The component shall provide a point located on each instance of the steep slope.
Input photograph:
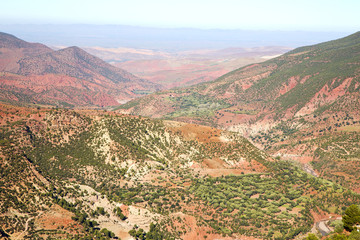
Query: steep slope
(97, 171)
(67, 77)
(301, 106)
(298, 82)
(73, 62)
(327, 140)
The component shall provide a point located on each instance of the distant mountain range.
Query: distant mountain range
(33, 72)
(164, 39)
(72, 77)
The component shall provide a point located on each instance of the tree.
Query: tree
(119, 213)
(339, 237)
(355, 235)
(311, 236)
(132, 232)
(351, 217)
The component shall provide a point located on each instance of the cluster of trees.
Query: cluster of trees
(351, 218)
(119, 213)
(256, 199)
(98, 211)
(154, 233)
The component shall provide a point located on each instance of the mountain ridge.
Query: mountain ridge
(74, 62)
(70, 77)
(11, 41)
(13, 49)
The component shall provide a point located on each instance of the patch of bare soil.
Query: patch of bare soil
(216, 168)
(202, 134)
(57, 218)
(214, 163)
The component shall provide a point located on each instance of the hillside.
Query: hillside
(296, 83)
(13, 49)
(33, 73)
(67, 174)
(299, 106)
(73, 62)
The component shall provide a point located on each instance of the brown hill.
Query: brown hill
(67, 77)
(73, 62)
(12, 49)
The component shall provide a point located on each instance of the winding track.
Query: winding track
(20, 236)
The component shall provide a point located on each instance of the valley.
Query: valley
(103, 146)
(183, 68)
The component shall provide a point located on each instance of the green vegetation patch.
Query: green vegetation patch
(196, 105)
(277, 203)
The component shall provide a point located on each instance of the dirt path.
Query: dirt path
(308, 168)
(21, 235)
(341, 147)
(323, 228)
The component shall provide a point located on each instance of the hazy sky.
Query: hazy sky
(326, 15)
